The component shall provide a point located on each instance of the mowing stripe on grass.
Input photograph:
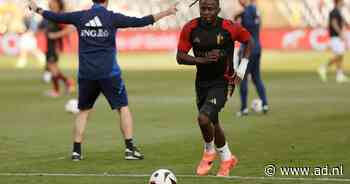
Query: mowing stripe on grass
(180, 176)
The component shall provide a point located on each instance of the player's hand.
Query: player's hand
(233, 80)
(53, 35)
(32, 5)
(214, 54)
(236, 80)
(172, 9)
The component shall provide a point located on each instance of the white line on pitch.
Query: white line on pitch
(180, 176)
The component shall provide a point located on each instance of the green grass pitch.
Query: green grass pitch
(309, 125)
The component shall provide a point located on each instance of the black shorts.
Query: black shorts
(211, 98)
(52, 57)
(112, 88)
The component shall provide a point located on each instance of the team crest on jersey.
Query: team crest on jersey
(219, 39)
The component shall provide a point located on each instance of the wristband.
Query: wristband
(242, 68)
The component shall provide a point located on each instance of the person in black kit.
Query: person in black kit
(337, 43)
(212, 39)
(54, 33)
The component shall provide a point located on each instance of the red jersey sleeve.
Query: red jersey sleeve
(237, 32)
(185, 44)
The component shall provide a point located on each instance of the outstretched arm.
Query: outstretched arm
(171, 11)
(65, 31)
(64, 18)
(122, 21)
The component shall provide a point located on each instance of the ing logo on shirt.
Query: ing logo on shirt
(92, 31)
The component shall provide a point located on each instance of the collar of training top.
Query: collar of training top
(205, 25)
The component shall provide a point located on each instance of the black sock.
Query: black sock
(129, 143)
(77, 147)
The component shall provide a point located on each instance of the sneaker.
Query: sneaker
(245, 112)
(265, 109)
(76, 157)
(206, 163)
(53, 94)
(227, 166)
(341, 78)
(133, 154)
(322, 71)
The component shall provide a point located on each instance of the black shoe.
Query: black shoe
(133, 154)
(76, 157)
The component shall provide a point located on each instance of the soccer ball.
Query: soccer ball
(162, 176)
(72, 106)
(257, 105)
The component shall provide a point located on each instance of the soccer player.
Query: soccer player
(28, 44)
(212, 40)
(250, 19)
(54, 33)
(98, 69)
(337, 43)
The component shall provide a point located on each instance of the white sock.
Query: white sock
(340, 73)
(324, 66)
(209, 147)
(225, 153)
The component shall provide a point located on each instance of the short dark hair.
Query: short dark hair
(98, 1)
(61, 5)
(196, 1)
(337, 1)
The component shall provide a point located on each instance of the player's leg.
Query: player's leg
(22, 59)
(115, 92)
(228, 160)
(79, 129)
(40, 56)
(340, 76)
(52, 60)
(243, 91)
(338, 49)
(126, 127)
(258, 82)
(207, 130)
(47, 76)
(88, 93)
(69, 83)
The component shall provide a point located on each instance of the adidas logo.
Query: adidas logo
(94, 29)
(95, 22)
(196, 40)
(213, 101)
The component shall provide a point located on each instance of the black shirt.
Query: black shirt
(204, 38)
(335, 14)
(51, 27)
